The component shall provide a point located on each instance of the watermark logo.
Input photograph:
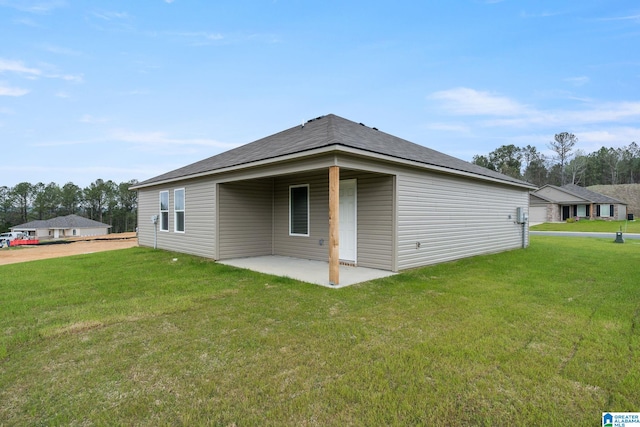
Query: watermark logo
(607, 420)
(620, 419)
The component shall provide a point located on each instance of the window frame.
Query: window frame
(163, 212)
(605, 208)
(291, 208)
(176, 210)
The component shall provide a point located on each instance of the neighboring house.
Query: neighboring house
(63, 226)
(401, 205)
(555, 204)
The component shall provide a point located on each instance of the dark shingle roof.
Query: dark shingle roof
(589, 195)
(62, 222)
(326, 131)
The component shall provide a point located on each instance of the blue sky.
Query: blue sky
(126, 90)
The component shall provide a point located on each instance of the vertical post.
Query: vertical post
(334, 224)
(592, 214)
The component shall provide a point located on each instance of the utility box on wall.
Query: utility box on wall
(521, 215)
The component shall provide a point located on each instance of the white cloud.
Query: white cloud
(614, 136)
(465, 101)
(545, 14)
(160, 138)
(26, 21)
(34, 6)
(110, 16)
(577, 81)
(510, 113)
(449, 127)
(88, 118)
(622, 18)
(198, 36)
(12, 91)
(67, 77)
(18, 67)
(61, 50)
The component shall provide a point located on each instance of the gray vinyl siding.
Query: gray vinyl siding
(450, 217)
(245, 225)
(199, 236)
(307, 247)
(453, 218)
(375, 219)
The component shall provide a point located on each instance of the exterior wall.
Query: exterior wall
(316, 245)
(538, 214)
(374, 218)
(43, 234)
(199, 236)
(97, 231)
(442, 218)
(245, 211)
(450, 217)
(620, 212)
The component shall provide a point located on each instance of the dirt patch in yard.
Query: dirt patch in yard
(73, 246)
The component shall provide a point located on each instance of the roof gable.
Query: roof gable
(328, 131)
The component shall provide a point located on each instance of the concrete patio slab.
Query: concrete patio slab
(316, 272)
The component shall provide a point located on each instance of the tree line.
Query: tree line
(606, 166)
(103, 201)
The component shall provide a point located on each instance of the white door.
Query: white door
(348, 223)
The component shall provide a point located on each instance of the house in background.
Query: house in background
(555, 204)
(338, 191)
(63, 226)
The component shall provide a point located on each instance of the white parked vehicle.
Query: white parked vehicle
(7, 238)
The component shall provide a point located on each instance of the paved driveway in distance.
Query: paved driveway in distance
(584, 234)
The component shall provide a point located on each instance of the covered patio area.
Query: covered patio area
(306, 270)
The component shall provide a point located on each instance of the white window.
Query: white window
(299, 210)
(582, 210)
(605, 210)
(164, 211)
(178, 209)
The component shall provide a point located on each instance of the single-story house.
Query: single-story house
(338, 191)
(63, 226)
(551, 203)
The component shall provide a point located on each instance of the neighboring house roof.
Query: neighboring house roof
(592, 196)
(583, 193)
(62, 222)
(329, 132)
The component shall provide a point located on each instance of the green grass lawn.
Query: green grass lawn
(590, 226)
(549, 335)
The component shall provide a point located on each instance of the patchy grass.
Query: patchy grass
(586, 225)
(547, 335)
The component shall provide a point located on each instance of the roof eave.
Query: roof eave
(336, 148)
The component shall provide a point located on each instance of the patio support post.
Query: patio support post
(334, 223)
(591, 212)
